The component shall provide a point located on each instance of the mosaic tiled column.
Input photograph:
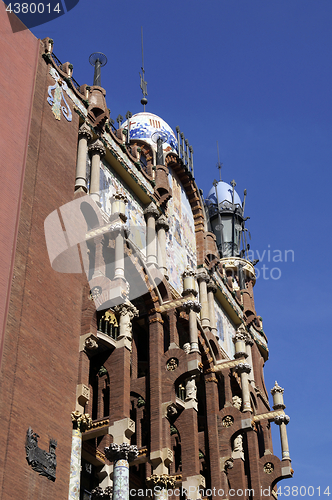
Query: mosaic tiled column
(121, 455)
(97, 150)
(81, 423)
(151, 213)
(160, 484)
(84, 134)
(244, 369)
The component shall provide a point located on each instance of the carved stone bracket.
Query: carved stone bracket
(41, 461)
(124, 451)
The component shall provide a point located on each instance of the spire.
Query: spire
(144, 84)
(219, 165)
(97, 59)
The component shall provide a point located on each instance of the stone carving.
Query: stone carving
(188, 272)
(276, 389)
(192, 304)
(228, 421)
(100, 494)
(172, 364)
(85, 131)
(98, 148)
(81, 421)
(124, 451)
(41, 461)
(127, 312)
(281, 419)
(140, 402)
(90, 343)
(212, 287)
(229, 464)
(186, 347)
(202, 275)
(163, 481)
(162, 223)
(268, 468)
(238, 443)
(191, 389)
(243, 367)
(172, 410)
(237, 402)
(151, 210)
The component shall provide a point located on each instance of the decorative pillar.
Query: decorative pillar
(84, 135)
(97, 151)
(127, 312)
(118, 203)
(81, 423)
(203, 278)
(192, 307)
(162, 226)
(244, 369)
(121, 455)
(151, 213)
(240, 342)
(249, 343)
(281, 420)
(160, 484)
(118, 230)
(211, 290)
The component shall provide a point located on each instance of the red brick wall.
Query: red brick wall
(41, 343)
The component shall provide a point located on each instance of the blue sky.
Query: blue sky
(256, 77)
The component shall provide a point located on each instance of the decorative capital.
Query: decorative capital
(120, 196)
(85, 131)
(192, 305)
(127, 308)
(151, 210)
(243, 367)
(124, 451)
(202, 275)
(162, 223)
(97, 147)
(282, 419)
(212, 287)
(164, 481)
(277, 389)
(81, 421)
(188, 272)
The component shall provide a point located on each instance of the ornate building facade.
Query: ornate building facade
(133, 355)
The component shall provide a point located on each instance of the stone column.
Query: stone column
(203, 278)
(81, 422)
(118, 231)
(151, 213)
(282, 421)
(192, 307)
(244, 369)
(240, 342)
(160, 484)
(97, 151)
(84, 135)
(211, 290)
(249, 343)
(121, 455)
(127, 312)
(162, 226)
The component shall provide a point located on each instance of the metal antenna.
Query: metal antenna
(97, 59)
(144, 84)
(219, 165)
